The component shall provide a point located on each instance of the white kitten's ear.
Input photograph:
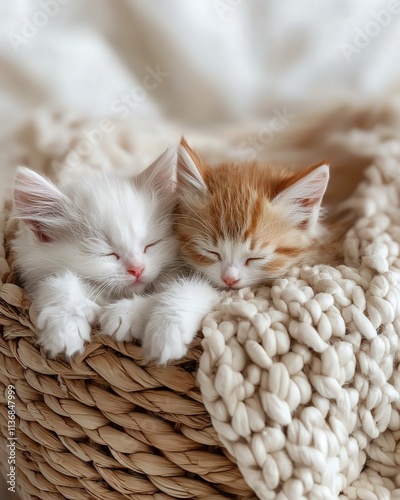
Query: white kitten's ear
(190, 168)
(38, 202)
(161, 174)
(301, 200)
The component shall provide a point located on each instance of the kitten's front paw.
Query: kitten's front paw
(122, 320)
(64, 330)
(165, 341)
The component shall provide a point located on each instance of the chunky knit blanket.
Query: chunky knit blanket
(301, 378)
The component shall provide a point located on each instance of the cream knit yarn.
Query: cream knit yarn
(302, 378)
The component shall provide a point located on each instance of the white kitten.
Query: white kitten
(95, 239)
(167, 320)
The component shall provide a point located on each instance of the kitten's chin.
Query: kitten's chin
(138, 286)
(227, 288)
(232, 288)
(131, 289)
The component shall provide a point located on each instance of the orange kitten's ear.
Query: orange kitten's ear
(190, 168)
(302, 198)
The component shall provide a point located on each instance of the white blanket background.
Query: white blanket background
(241, 78)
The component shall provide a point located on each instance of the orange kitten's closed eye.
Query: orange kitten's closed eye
(242, 224)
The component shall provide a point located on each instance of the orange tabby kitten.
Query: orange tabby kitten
(242, 224)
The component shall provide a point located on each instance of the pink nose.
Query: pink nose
(229, 281)
(136, 271)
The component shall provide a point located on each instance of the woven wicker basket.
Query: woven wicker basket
(106, 426)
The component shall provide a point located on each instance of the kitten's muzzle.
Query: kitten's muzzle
(136, 271)
(230, 281)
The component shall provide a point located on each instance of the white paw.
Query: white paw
(165, 341)
(65, 329)
(122, 320)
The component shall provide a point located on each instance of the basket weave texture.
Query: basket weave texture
(107, 425)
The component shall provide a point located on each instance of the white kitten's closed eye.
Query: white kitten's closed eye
(151, 245)
(115, 255)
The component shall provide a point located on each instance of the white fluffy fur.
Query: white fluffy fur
(67, 237)
(64, 313)
(166, 321)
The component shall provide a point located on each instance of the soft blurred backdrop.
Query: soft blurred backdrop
(109, 84)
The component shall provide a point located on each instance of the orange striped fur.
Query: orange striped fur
(230, 226)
